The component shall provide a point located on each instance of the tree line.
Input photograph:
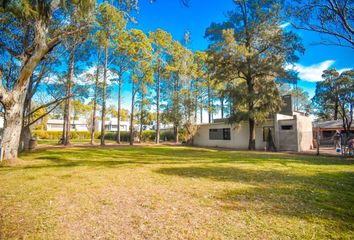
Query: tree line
(48, 46)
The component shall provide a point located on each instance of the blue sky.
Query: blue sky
(171, 16)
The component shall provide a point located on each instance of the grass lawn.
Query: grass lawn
(175, 193)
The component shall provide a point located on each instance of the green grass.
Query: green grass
(175, 193)
(54, 142)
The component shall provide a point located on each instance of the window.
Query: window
(220, 134)
(287, 127)
(226, 134)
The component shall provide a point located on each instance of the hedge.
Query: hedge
(148, 135)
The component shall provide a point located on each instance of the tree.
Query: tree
(177, 88)
(326, 104)
(140, 53)
(38, 32)
(334, 97)
(122, 61)
(249, 52)
(334, 19)
(111, 22)
(162, 42)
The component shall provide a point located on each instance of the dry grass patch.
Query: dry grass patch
(175, 193)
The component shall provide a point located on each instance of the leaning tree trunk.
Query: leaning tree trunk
(12, 128)
(104, 97)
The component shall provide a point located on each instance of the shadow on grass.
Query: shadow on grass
(325, 196)
(147, 155)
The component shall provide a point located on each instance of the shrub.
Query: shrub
(41, 134)
(148, 136)
(124, 136)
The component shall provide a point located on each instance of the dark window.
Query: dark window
(226, 133)
(287, 127)
(219, 134)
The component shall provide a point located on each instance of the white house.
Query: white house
(83, 125)
(76, 125)
(290, 131)
(111, 125)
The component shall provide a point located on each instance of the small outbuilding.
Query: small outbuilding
(286, 131)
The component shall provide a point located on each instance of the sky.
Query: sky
(172, 16)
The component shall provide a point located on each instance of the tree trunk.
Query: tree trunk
(201, 111)
(104, 97)
(222, 107)
(252, 134)
(119, 106)
(336, 107)
(67, 109)
(26, 131)
(95, 101)
(26, 136)
(131, 132)
(141, 117)
(209, 104)
(175, 132)
(12, 129)
(158, 107)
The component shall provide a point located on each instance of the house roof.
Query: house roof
(334, 124)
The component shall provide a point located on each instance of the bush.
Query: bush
(41, 134)
(148, 136)
(124, 136)
(167, 136)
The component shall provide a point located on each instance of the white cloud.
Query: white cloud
(285, 25)
(313, 73)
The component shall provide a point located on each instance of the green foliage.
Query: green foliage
(248, 54)
(124, 136)
(42, 134)
(334, 97)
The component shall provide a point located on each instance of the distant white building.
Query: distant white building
(76, 125)
(83, 125)
(111, 125)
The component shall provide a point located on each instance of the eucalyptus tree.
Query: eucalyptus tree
(111, 23)
(33, 29)
(250, 51)
(162, 42)
(121, 59)
(178, 86)
(140, 52)
(334, 97)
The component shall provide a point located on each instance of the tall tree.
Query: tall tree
(334, 97)
(325, 102)
(334, 19)
(111, 22)
(162, 42)
(142, 72)
(122, 61)
(177, 89)
(249, 51)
